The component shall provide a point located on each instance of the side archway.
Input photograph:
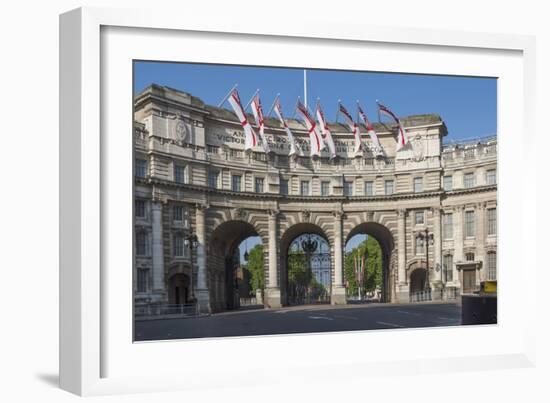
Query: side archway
(224, 261)
(386, 241)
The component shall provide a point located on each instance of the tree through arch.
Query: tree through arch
(384, 239)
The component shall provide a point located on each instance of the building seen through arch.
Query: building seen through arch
(432, 208)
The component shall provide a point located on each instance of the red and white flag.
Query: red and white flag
(377, 147)
(250, 137)
(402, 138)
(315, 141)
(294, 148)
(327, 136)
(259, 117)
(353, 127)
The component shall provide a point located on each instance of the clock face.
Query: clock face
(181, 131)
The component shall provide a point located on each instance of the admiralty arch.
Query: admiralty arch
(194, 181)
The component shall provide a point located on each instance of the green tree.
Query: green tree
(255, 266)
(298, 272)
(373, 273)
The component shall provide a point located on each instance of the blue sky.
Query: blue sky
(466, 104)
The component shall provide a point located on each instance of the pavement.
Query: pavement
(302, 319)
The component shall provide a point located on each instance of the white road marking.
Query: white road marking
(389, 324)
(444, 318)
(409, 313)
(319, 317)
(345, 317)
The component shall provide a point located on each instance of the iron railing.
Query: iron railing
(421, 296)
(166, 309)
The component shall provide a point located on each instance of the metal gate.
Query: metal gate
(309, 270)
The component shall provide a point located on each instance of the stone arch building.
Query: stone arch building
(192, 176)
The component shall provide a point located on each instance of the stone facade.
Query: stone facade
(192, 176)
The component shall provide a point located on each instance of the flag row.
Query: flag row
(320, 136)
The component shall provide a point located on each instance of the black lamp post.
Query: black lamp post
(428, 239)
(191, 242)
(309, 246)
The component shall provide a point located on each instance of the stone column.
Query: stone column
(480, 241)
(203, 295)
(458, 242)
(402, 294)
(273, 297)
(437, 244)
(159, 286)
(338, 296)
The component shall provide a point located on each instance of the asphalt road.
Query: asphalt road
(304, 319)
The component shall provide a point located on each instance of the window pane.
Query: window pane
(178, 213)
(448, 267)
(141, 168)
(491, 177)
(448, 183)
(140, 208)
(419, 217)
(259, 185)
(420, 245)
(213, 179)
(179, 174)
(369, 189)
(470, 223)
(178, 245)
(236, 183)
(142, 275)
(417, 185)
(469, 180)
(348, 188)
(141, 243)
(492, 221)
(304, 188)
(284, 187)
(448, 226)
(388, 187)
(325, 188)
(491, 266)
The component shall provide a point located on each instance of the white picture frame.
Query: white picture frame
(96, 355)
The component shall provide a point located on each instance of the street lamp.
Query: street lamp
(191, 242)
(428, 238)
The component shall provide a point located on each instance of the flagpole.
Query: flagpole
(227, 96)
(305, 88)
(251, 99)
(338, 111)
(273, 104)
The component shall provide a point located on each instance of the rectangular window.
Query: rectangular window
(142, 276)
(283, 187)
(141, 168)
(491, 266)
(418, 185)
(178, 213)
(140, 208)
(469, 218)
(469, 180)
(236, 183)
(448, 226)
(304, 188)
(141, 244)
(448, 268)
(418, 217)
(448, 183)
(470, 257)
(178, 245)
(491, 177)
(388, 187)
(325, 188)
(348, 188)
(491, 221)
(259, 185)
(369, 190)
(213, 177)
(420, 245)
(179, 174)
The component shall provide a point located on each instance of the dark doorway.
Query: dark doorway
(418, 280)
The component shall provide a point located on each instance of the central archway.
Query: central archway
(385, 239)
(224, 263)
(306, 265)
